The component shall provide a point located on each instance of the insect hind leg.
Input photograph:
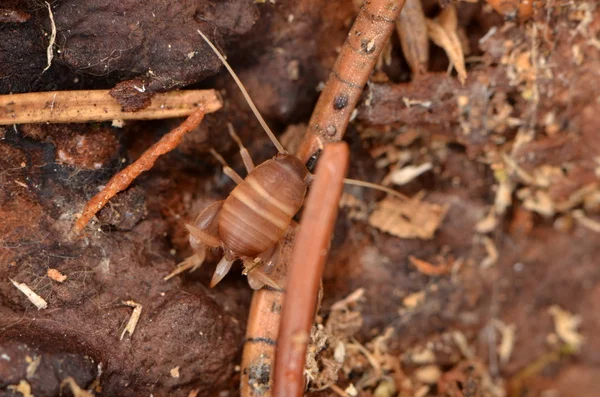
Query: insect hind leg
(204, 230)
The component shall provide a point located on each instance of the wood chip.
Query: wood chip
(408, 173)
(23, 387)
(565, 326)
(56, 275)
(507, 343)
(133, 320)
(487, 224)
(443, 32)
(492, 253)
(585, 221)
(414, 300)
(463, 345)
(174, 372)
(408, 219)
(32, 367)
(428, 374)
(34, 298)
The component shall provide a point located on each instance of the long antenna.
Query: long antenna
(376, 187)
(245, 94)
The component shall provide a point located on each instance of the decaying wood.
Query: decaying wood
(366, 39)
(306, 269)
(98, 105)
(124, 178)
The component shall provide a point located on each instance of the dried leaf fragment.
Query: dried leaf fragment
(133, 320)
(428, 268)
(408, 219)
(565, 325)
(56, 275)
(34, 298)
(443, 32)
(412, 31)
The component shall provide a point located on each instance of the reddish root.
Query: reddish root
(124, 178)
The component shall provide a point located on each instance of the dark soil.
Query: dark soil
(531, 93)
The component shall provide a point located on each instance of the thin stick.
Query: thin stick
(124, 178)
(306, 269)
(98, 105)
(262, 121)
(371, 30)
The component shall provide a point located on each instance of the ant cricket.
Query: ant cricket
(250, 224)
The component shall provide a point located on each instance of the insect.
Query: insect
(250, 223)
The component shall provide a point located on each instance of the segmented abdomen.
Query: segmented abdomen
(259, 210)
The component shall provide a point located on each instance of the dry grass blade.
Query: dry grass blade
(443, 32)
(98, 105)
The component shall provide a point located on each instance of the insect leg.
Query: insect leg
(248, 163)
(227, 170)
(222, 269)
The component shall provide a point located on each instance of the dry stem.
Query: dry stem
(98, 105)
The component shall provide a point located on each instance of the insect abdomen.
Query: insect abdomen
(259, 210)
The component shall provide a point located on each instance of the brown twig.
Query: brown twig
(371, 30)
(306, 269)
(124, 178)
(98, 105)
